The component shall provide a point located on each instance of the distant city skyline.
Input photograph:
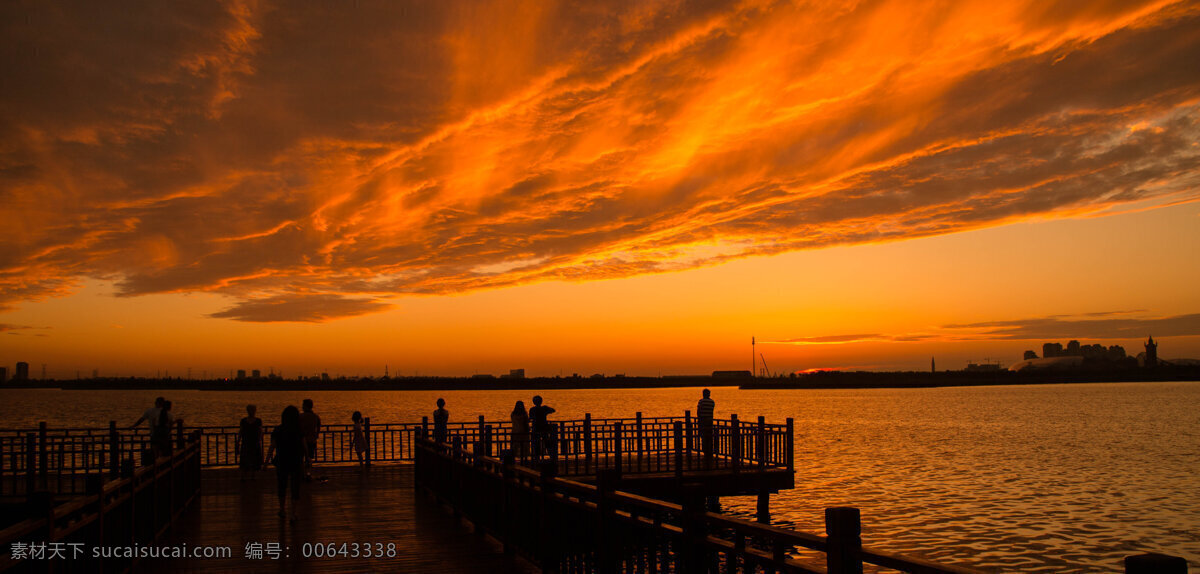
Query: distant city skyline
(454, 187)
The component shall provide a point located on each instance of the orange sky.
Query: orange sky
(635, 187)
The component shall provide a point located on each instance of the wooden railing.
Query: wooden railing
(61, 459)
(137, 508)
(569, 526)
(640, 445)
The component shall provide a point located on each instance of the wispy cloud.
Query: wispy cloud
(307, 308)
(308, 161)
(1090, 326)
(10, 329)
(845, 339)
(1087, 327)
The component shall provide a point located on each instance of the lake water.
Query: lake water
(1048, 478)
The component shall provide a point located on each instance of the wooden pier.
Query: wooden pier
(614, 495)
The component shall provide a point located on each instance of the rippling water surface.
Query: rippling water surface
(1049, 478)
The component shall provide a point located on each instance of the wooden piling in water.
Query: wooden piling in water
(843, 530)
(1155, 564)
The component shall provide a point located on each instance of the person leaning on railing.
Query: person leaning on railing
(704, 419)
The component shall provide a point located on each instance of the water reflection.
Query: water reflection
(1032, 479)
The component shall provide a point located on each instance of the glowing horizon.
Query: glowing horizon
(479, 186)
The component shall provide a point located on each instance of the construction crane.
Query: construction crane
(766, 372)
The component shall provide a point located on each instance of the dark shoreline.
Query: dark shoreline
(824, 380)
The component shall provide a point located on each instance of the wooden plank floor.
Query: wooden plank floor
(648, 463)
(376, 506)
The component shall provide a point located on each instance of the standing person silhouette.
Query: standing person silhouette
(160, 433)
(249, 446)
(520, 431)
(440, 417)
(704, 419)
(150, 415)
(539, 425)
(288, 453)
(359, 439)
(310, 426)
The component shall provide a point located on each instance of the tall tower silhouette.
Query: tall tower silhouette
(1151, 353)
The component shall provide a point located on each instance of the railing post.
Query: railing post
(678, 449)
(843, 529)
(606, 556)
(761, 446)
(694, 530)
(39, 505)
(687, 425)
(479, 433)
(367, 439)
(641, 447)
(789, 446)
(617, 445)
(114, 448)
(1155, 564)
(179, 433)
(30, 462)
(587, 435)
(95, 487)
(43, 453)
(425, 426)
(507, 515)
(487, 440)
(547, 525)
(735, 442)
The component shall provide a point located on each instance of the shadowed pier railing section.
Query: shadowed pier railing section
(135, 506)
(567, 525)
(644, 445)
(61, 459)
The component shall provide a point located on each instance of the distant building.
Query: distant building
(1151, 360)
(256, 374)
(516, 373)
(984, 368)
(241, 374)
(1030, 355)
(1073, 349)
(3, 375)
(732, 375)
(22, 373)
(1051, 350)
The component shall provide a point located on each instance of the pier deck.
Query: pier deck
(375, 506)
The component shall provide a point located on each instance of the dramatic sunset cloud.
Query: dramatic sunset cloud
(317, 160)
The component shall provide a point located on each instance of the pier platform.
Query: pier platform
(376, 506)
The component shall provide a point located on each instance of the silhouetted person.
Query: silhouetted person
(704, 419)
(150, 415)
(160, 433)
(440, 418)
(287, 452)
(310, 426)
(250, 442)
(359, 439)
(540, 427)
(520, 430)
